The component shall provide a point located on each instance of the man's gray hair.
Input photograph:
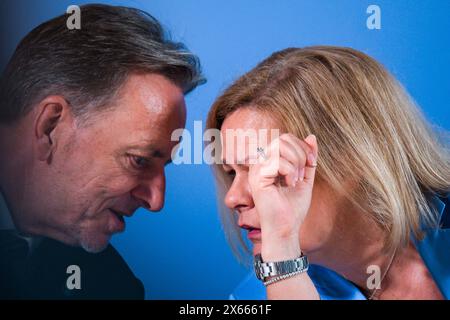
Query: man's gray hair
(88, 66)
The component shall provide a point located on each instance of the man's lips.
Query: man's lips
(121, 213)
(119, 225)
(118, 215)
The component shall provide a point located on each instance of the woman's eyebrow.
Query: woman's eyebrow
(244, 162)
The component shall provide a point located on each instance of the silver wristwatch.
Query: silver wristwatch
(264, 270)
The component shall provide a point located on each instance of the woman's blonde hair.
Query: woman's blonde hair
(368, 129)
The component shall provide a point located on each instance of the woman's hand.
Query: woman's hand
(281, 186)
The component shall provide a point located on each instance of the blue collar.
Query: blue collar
(434, 250)
(443, 210)
(435, 247)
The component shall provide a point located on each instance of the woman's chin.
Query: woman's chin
(256, 249)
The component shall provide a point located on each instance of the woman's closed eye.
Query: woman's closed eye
(230, 173)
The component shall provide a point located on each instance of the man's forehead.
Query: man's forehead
(148, 113)
(153, 94)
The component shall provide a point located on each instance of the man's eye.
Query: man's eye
(140, 162)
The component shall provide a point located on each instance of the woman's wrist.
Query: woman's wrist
(280, 249)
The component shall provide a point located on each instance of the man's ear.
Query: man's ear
(50, 114)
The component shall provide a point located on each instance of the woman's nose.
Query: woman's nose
(239, 194)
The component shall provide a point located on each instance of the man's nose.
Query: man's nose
(150, 193)
(239, 195)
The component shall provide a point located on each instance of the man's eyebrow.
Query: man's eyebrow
(151, 150)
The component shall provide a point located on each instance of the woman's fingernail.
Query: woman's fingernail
(301, 173)
(311, 139)
(311, 159)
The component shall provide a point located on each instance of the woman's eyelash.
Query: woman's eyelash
(231, 173)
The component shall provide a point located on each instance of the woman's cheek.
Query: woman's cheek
(312, 234)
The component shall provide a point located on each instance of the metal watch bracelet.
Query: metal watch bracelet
(283, 277)
(265, 270)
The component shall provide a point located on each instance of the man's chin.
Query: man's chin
(93, 245)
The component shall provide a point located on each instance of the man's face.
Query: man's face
(106, 170)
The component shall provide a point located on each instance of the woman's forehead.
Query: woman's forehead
(249, 118)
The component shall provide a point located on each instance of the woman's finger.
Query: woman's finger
(311, 164)
(288, 171)
(292, 152)
(274, 170)
(303, 149)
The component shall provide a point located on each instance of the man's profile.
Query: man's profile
(85, 125)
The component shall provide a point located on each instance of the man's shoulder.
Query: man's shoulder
(58, 271)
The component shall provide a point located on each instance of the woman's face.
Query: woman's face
(319, 222)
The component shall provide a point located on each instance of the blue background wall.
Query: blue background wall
(181, 253)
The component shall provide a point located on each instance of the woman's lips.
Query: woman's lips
(254, 234)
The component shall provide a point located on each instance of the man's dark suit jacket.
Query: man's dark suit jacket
(43, 273)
